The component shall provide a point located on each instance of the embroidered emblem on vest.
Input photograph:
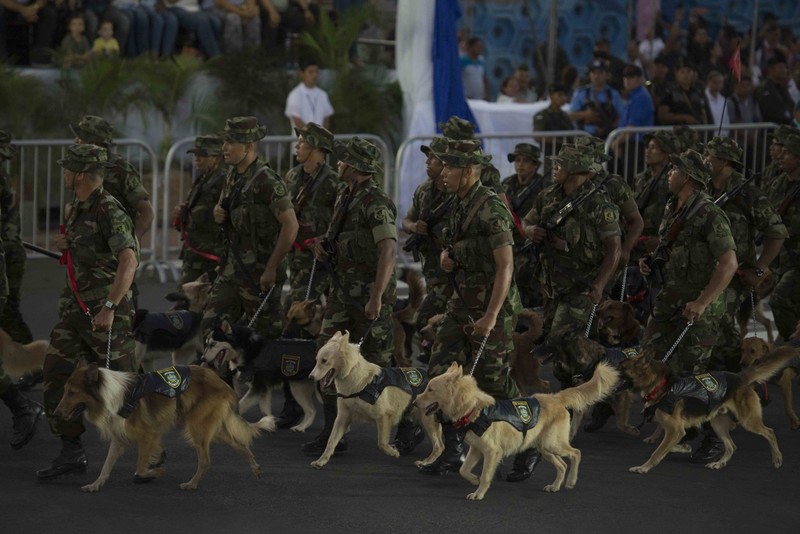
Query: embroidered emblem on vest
(708, 382)
(413, 376)
(630, 352)
(170, 376)
(176, 319)
(290, 365)
(523, 411)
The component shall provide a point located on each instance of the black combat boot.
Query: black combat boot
(408, 436)
(452, 456)
(524, 464)
(29, 380)
(26, 414)
(601, 412)
(292, 413)
(711, 448)
(317, 445)
(71, 460)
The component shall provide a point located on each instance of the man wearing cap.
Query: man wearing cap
(697, 260)
(637, 111)
(596, 107)
(362, 239)
(682, 101)
(521, 189)
(258, 217)
(95, 307)
(552, 119)
(203, 247)
(122, 179)
(773, 169)
(479, 258)
(651, 189)
(784, 194)
(25, 412)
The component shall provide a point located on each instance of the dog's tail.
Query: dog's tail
(768, 366)
(243, 432)
(602, 383)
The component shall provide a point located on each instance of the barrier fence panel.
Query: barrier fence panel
(277, 150)
(38, 180)
(628, 145)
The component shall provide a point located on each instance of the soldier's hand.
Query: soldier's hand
(177, 211)
(484, 325)
(61, 241)
(103, 320)
(595, 294)
(694, 310)
(536, 233)
(421, 227)
(220, 214)
(624, 258)
(750, 279)
(447, 263)
(643, 267)
(372, 309)
(267, 279)
(318, 250)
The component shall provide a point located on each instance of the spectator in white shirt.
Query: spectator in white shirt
(716, 101)
(307, 102)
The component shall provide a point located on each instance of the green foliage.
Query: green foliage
(102, 87)
(25, 104)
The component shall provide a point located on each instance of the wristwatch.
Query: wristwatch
(759, 272)
(110, 305)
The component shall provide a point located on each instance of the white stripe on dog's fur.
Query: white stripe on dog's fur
(114, 386)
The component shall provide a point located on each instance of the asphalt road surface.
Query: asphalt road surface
(364, 491)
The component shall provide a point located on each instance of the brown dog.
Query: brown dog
(403, 319)
(307, 314)
(524, 365)
(619, 320)
(19, 360)
(206, 407)
(681, 403)
(753, 350)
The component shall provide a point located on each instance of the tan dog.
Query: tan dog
(339, 362)
(619, 319)
(308, 315)
(675, 411)
(404, 317)
(207, 409)
(524, 365)
(753, 350)
(460, 399)
(19, 360)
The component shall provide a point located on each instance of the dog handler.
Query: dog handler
(99, 247)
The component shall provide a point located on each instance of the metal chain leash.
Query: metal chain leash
(369, 329)
(753, 308)
(311, 278)
(108, 350)
(478, 356)
(675, 345)
(624, 282)
(591, 320)
(260, 307)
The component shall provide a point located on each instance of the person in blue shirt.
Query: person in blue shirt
(597, 107)
(638, 110)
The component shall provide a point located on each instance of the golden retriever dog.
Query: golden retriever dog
(459, 398)
(362, 396)
(19, 360)
(753, 350)
(200, 400)
(687, 402)
(524, 365)
(619, 320)
(403, 318)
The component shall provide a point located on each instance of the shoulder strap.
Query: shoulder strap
(474, 210)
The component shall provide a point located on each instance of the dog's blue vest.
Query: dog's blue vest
(701, 394)
(172, 329)
(412, 380)
(522, 414)
(170, 382)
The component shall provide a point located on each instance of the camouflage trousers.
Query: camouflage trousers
(455, 343)
(727, 352)
(785, 302)
(525, 274)
(300, 267)
(437, 293)
(10, 316)
(193, 266)
(233, 299)
(563, 311)
(72, 342)
(693, 353)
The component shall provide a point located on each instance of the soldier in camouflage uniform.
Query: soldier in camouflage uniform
(203, 245)
(479, 259)
(94, 309)
(553, 119)
(773, 169)
(750, 213)
(10, 315)
(362, 238)
(521, 189)
(261, 226)
(784, 193)
(430, 196)
(651, 187)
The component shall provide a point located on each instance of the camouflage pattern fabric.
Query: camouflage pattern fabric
(552, 120)
(314, 219)
(490, 177)
(785, 298)
(10, 315)
(124, 184)
(198, 221)
(426, 199)
(653, 211)
(252, 199)
(98, 229)
(705, 237)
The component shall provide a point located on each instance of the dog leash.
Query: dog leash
(369, 329)
(591, 320)
(478, 356)
(624, 281)
(753, 308)
(675, 345)
(311, 278)
(260, 307)
(108, 350)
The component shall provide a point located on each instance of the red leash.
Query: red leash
(66, 259)
(206, 255)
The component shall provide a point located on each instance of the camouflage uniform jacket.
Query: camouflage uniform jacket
(124, 184)
(780, 188)
(490, 177)
(478, 224)
(316, 212)
(749, 213)
(98, 229)
(653, 211)
(198, 216)
(252, 198)
(10, 241)
(552, 120)
(620, 194)
(3, 279)
(572, 268)
(706, 236)
(692, 102)
(526, 194)
(426, 199)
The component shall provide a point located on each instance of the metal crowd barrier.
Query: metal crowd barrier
(42, 197)
(179, 174)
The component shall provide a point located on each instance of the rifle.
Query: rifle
(41, 250)
(306, 192)
(726, 197)
(329, 240)
(644, 197)
(414, 242)
(522, 199)
(660, 255)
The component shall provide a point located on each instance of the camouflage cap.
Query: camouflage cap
(243, 130)
(7, 150)
(595, 144)
(359, 154)
(725, 148)
(93, 129)
(463, 153)
(525, 149)
(86, 157)
(207, 145)
(438, 144)
(316, 136)
(692, 163)
(666, 140)
(792, 143)
(780, 133)
(686, 138)
(457, 128)
(575, 160)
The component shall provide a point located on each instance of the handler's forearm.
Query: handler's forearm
(123, 278)
(144, 219)
(286, 237)
(720, 278)
(634, 228)
(610, 261)
(504, 265)
(772, 247)
(387, 254)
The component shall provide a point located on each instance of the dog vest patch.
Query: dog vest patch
(412, 380)
(167, 331)
(701, 394)
(170, 382)
(282, 358)
(522, 414)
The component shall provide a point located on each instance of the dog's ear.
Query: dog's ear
(345, 338)
(226, 327)
(204, 279)
(92, 374)
(628, 307)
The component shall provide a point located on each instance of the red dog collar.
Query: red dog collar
(650, 397)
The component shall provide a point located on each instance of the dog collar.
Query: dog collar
(655, 391)
(464, 421)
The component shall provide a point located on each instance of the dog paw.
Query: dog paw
(475, 496)
(777, 461)
(257, 471)
(551, 488)
(189, 486)
(299, 428)
(639, 469)
(318, 464)
(795, 425)
(716, 465)
(392, 451)
(630, 430)
(91, 488)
